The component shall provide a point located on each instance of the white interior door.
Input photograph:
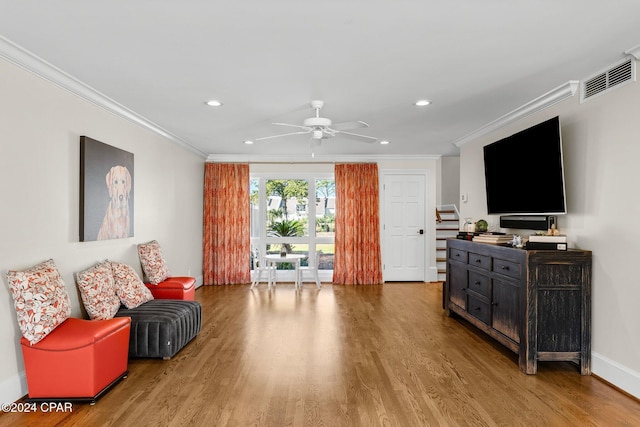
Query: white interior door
(404, 227)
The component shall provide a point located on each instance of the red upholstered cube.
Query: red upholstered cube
(183, 288)
(79, 359)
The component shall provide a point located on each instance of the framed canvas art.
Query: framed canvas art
(106, 191)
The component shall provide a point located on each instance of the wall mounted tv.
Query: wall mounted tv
(524, 172)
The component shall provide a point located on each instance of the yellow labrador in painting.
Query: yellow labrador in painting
(115, 224)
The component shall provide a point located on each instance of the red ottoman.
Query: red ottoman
(183, 288)
(79, 360)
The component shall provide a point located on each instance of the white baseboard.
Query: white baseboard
(13, 388)
(433, 274)
(199, 281)
(615, 373)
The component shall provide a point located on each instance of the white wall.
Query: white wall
(450, 182)
(40, 129)
(601, 153)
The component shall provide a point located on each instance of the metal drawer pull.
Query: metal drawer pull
(478, 260)
(477, 283)
(505, 267)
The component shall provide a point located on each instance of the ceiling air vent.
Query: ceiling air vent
(615, 76)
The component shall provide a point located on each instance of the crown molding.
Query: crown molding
(38, 66)
(554, 96)
(324, 158)
(634, 51)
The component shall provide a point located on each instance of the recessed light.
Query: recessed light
(384, 142)
(422, 103)
(248, 142)
(214, 103)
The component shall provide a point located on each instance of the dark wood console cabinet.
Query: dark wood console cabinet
(535, 302)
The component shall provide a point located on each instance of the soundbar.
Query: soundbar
(528, 222)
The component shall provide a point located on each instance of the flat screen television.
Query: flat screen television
(524, 172)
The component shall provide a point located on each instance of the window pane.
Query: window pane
(326, 251)
(297, 214)
(325, 207)
(254, 197)
(287, 207)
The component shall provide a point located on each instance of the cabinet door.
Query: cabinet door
(505, 315)
(560, 306)
(457, 285)
(559, 326)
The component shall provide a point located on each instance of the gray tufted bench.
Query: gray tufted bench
(161, 328)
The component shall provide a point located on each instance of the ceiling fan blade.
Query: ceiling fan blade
(281, 135)
(363, 138)
(307, 128)
(349, 125)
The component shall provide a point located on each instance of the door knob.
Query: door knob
(421, 231)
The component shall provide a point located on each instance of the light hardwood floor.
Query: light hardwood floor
(343, 356)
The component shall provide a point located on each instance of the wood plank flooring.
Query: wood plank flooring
(343, 356)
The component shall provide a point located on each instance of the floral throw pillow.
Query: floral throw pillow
(98, 291)
(129, 288)
(152, 262)
(40, 299)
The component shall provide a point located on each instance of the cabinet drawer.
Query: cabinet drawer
(481, 261)
(458, 255)
(479, 309)
(479, 283)
(507, 268)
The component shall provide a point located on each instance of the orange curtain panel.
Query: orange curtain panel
(357, 258)
(226, 240)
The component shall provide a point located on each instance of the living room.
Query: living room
(42, 122)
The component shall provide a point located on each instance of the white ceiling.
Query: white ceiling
(368, 60)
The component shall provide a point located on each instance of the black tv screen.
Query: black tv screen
(524, 172)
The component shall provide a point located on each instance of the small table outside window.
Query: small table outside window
(274, 259)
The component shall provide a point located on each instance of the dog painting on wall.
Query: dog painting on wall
(106, 191)
(116, 223)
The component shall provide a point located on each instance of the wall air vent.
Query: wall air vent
(615, 76)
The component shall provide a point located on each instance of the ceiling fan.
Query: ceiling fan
(320, 128)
